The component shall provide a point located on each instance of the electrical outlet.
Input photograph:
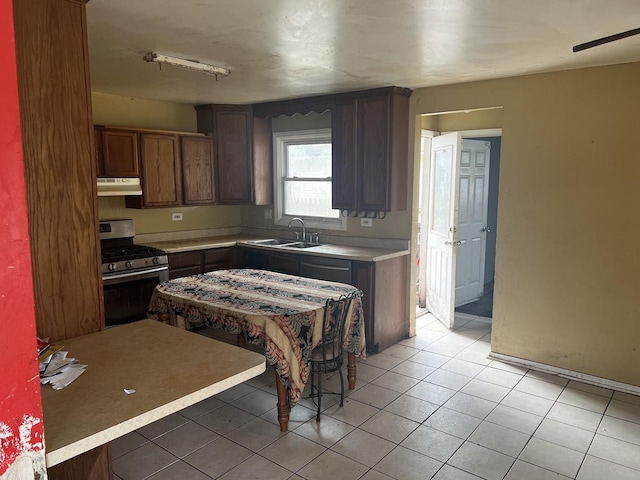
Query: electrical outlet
(366, 222)
(268, 214)
(176, 217)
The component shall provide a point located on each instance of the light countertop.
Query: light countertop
(169, 369)
(347, 252)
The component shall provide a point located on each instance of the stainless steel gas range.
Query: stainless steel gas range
(130, 272)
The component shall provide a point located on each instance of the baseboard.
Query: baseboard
(569, 374)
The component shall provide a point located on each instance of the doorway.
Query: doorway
(457, 237)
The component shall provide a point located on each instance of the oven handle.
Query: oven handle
(109, 279)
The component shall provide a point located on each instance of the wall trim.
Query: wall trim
(569, 374)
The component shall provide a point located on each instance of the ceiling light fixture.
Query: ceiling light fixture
(188, 64)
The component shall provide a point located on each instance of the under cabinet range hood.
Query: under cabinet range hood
(118, 187)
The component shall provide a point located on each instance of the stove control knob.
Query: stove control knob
(128, 264)
(156, 260)
(112, 266)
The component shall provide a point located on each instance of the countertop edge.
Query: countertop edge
(362, 254)
(74, 449)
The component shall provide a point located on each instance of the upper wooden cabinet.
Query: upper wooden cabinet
(370, 150)
(241, 177)
(198, 170)
(117, 152)
(161, 175)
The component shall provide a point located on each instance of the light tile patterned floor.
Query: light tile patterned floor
(429, 407)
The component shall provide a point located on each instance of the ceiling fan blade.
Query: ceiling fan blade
(603, 40)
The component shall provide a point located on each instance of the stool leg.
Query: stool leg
(319, 373)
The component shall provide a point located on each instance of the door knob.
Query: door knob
(485, 229)
(455, 244)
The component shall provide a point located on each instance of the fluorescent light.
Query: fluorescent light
(189, 64)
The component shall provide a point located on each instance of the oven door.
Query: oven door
(127, 294)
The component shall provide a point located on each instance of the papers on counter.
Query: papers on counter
(55, 367)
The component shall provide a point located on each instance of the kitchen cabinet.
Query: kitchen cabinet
(198, 170)
(161, 172)
(383, 285)
(242, 153)
(117, 152)
(183, 264)
(217, 259)
(260, 259)
(370, 151)
(384, 300)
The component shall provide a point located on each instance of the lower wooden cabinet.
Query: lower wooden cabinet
(183, 264)
(384, 301)
(383, 285)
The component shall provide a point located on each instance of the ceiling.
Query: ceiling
(279, 49)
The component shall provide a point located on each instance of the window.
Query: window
(303, 179)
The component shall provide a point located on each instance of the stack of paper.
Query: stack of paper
(55, 367)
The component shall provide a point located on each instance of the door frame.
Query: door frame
(425, 169)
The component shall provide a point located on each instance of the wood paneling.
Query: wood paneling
(60, 170)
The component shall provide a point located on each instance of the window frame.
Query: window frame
(281, 140)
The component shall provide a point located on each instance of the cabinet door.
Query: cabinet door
(344, 170)
(119, 153)
(373, 151)
(197, 170)
(183, 264)
(218, 259)
(284, 263)
(161, 172)
(234, 155)
(364, 279)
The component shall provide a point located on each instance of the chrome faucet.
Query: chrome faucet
(304, 232)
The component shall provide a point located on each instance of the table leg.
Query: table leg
(283, 404)
(351, 370)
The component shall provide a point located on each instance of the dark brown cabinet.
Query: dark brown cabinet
(383, 284)
(370, 151)
(198, 170)
(384, 301)
(242, 153)
(117, 152)
(183, 264)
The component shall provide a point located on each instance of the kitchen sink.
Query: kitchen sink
(301, 245)
(273, 241)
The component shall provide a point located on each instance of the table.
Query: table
(168, 369)
(282, 313)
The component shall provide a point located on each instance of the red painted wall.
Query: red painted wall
(21, 428)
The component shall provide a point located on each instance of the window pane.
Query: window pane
(309, 199)
(309, 160)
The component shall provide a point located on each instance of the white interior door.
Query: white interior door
(441, 226)
(472, 220)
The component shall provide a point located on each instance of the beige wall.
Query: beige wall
(567, 255)
(122, 111)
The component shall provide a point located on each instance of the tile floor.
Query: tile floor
(429, 407)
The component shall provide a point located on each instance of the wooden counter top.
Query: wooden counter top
(168, 368)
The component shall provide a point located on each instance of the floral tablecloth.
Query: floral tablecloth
(282, 313)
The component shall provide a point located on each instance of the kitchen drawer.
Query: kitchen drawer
(218, 256)
(185, 259)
